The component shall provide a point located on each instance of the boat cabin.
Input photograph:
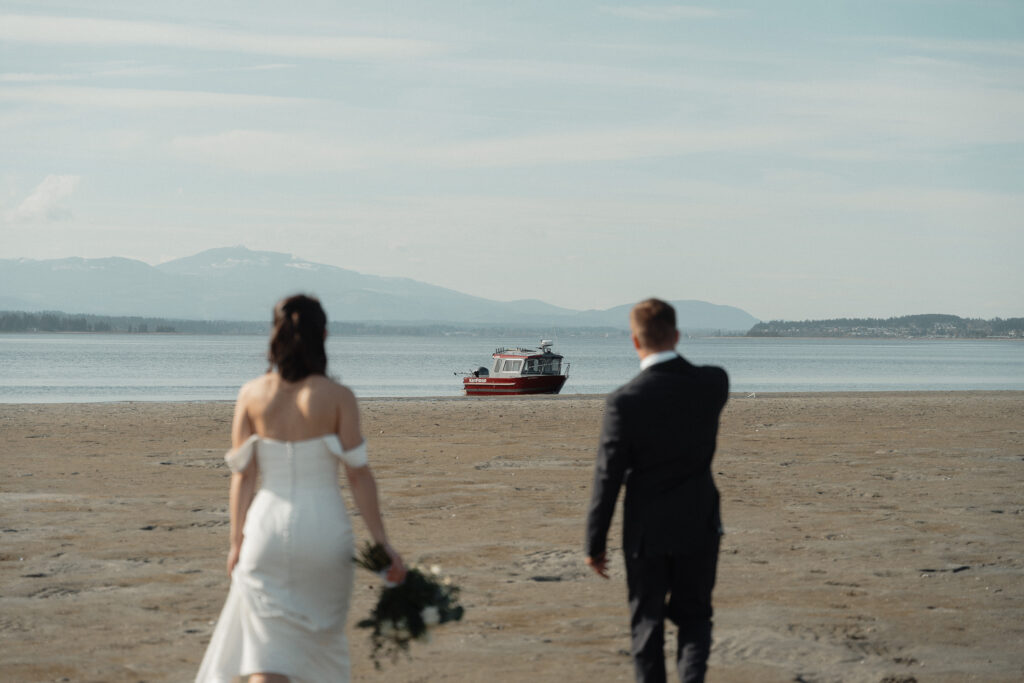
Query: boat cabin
(517, 362)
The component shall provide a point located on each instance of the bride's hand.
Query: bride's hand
(233, 557)
(396, 572)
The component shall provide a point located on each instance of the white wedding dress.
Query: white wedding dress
(289, 597)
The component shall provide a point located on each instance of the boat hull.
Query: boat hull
(512, 386)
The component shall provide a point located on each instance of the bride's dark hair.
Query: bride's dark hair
(297, 338)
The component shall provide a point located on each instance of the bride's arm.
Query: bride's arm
(364, 491)
(243, 484)
(364, 486)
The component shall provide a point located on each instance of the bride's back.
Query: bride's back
(294, 411)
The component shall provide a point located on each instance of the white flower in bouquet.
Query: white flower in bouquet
(402, 629)
(431, 615)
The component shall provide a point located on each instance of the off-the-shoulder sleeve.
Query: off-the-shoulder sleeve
(354, 457)
(238, 458)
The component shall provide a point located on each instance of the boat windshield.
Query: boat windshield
(542, 366)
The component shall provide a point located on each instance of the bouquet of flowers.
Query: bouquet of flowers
(406, 612)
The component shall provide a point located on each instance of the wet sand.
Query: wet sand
(870, 537)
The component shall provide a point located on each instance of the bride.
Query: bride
(290, 560)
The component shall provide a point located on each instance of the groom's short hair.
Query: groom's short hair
(654, 323)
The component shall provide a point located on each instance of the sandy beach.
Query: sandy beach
(870, 537)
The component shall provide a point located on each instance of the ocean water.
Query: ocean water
(65, 368)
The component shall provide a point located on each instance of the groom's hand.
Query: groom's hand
(599, 564)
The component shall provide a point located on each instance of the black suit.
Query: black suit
(658, 438)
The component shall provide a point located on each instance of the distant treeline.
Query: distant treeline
(908, 326)
(54, 321)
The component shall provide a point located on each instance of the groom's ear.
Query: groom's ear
(636, 341)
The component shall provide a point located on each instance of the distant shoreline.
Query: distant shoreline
(565, 333)
(927, 326)
(57, 322)
(497, 400)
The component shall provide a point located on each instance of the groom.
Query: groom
(658, 439)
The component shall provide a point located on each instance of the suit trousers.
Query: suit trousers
(677, 587)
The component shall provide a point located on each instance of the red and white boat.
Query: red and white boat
(519, 371)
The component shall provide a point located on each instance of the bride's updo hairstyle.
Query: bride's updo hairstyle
(297, 338)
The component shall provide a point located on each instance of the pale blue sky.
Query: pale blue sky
(795, 159)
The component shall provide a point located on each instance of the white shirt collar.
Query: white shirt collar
(655, 358)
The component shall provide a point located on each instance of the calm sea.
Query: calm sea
(58, 368)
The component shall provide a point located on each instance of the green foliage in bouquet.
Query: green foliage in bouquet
(406, 612)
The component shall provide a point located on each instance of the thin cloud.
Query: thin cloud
(602, 145)
(988, 48)
(261, 151)
(276, 152)
(131, 98)
(668, 12)
(46, 203)
(54, 30)
(255, 67)
(575, 73)
(912, 115)
(130, 71)
(32, 78)
(118, 70)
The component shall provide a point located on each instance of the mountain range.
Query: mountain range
(236, 283)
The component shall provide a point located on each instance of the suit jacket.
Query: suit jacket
(658, 438)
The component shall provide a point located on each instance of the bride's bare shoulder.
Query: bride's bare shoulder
(328, 391)
(257, 387)
(332, 388)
